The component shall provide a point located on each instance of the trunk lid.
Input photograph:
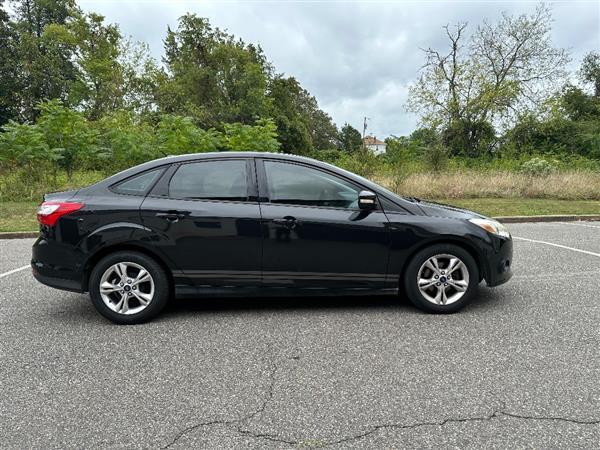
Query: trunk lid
(63, 196)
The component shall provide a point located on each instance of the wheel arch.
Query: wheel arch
(125, 246)
(464, 244)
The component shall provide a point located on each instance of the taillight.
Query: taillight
(49, 212)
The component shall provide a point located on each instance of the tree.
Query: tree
(54, 51)
(350, 139)
(9, 65)
(95, 49)
(578, 105)
(215, 78)
(568, 123)
(323, 132)
(590, 71)
(141, 76)
(47, 70)
(211, 76)
(497, 73)
(301, 125)
(288, 110)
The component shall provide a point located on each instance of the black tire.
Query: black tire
(161, 287)
(412, 271)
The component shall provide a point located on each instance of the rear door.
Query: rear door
(315, 236)
(205, 216)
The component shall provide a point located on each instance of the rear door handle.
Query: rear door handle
(287, 222)
(173, 216)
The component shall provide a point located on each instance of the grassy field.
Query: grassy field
(496, 207)
(20, 216)
(569, 185)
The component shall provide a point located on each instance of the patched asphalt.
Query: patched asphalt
(519, 367)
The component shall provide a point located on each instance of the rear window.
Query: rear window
(211, 180)
(139, 184)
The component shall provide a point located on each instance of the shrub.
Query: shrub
(436, 157)
(539, 167)
(127, 140)
(22, 145)
(70, 139)
(261, 137)
(363, 162)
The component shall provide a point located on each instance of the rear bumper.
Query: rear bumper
(56, 266)
(57, 283)
(498, 265)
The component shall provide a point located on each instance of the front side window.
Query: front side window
(210, 180)
(293, 184)
(139, 184)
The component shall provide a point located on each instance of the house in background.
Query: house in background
(374, 144)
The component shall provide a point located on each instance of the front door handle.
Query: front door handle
(173, 216)
(288, 222)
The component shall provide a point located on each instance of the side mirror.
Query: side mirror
(367, 200)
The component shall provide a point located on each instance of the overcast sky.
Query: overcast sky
(356, 58)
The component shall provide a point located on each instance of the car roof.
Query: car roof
(228, 154)
(171, 159)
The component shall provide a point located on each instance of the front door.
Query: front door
(315, 236)
(208, 222)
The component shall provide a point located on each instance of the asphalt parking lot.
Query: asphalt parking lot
(519, 367)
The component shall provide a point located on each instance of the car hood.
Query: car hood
(440, 210)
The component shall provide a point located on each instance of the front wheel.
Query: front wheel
(128, 287)
(441, 278)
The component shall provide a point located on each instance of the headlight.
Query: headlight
(492, 226)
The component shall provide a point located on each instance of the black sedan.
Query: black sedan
(249, 224)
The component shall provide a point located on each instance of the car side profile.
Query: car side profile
(258, 224)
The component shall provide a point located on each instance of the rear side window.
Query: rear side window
(211, 180)
(139, 184)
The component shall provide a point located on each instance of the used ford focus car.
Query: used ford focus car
(245, 224)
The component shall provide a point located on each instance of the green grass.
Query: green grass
(20, 216)
(525, 206)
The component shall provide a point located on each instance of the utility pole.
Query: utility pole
(365, 127)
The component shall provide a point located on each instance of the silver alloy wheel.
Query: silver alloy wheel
(127, 288)
(443, 279)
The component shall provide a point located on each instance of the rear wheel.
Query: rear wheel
(441, 278)
(128, 287)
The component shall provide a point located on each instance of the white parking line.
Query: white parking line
(558, 245)
(579, 224)
(5, 274)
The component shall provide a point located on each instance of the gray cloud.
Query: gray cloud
(357, 58)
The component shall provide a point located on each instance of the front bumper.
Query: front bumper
(498, 264)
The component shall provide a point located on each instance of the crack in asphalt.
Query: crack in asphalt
(231, 423)
(495, 414)
(237, 424)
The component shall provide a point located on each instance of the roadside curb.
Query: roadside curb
(551, 218)
(19, 235)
